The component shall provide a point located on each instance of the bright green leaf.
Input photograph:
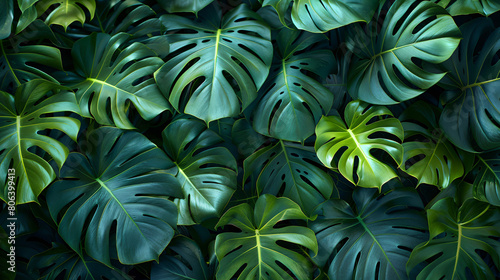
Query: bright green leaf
(356, 138)
(256, 248)
(65, 12)
(20, 123)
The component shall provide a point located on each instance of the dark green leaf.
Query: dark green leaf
(116, 191)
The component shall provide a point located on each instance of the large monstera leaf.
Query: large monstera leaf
(254, 251)
(458, 238)
(291, 101)
(21, 63)
(371, 239)
(486, 186)
(293, 170)
(471, 116)
(22, 119)
(388, 67)
(65, 12)
(320, 16)
(218, 61)
(116, 193)
(182, 6)
(466, 7)
(431, 158)
(349, 145)
(110, 76)
(61, 262)
(206, 172)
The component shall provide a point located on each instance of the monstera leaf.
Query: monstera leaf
(373, 238)
(185, 262)
(464, 235)
(323, 15)
(6, 18)
(465, 7)
(471, 118)
(206, 172)
(116, 192)
(22, 117)
(349, 145)
(220, 60)
(293, 170)
(19, 64)
(431, 158)
(60, 261)
(65, 12)
(291, 102)
(108, 86)
(255, 252)
(181, 6)
(487, 178)
(388, 66)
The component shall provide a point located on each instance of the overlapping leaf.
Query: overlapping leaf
(471, 118)
(458, 236)
(19, 64)
(221, 61)
(206, 172)
(293, 170)
(371, 239)
(254, 251)
(111, 75)
(65, 12)
(432, 159)
(323, 15)
(22, 119)
(487, 178)
(180, 6)
(466, 7)
(388, 66)
(116, 193)
(349, 144)
(291, 101)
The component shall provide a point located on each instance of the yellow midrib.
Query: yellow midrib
(259, 253)
(18, 129)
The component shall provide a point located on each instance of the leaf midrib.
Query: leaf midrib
(8, 64)
(365, 227)
(101, 183)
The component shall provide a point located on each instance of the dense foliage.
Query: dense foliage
(250, 139)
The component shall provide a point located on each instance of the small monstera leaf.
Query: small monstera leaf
(104, 82)
(291, 101)
(388, 67)
(66, 11)
(255, 251)
(466, 7)
(430, 158)
(351, 143)
(371, 239)
(320, 16)
(206, 172)
(184, 261)
(6, 18)
(486, 186)
(464, 235)
(184, 6)
(21, 63)
(293, 170)
(218, 61)
(22, 117)
(471, 116)
(116, 193)
(61, 262)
